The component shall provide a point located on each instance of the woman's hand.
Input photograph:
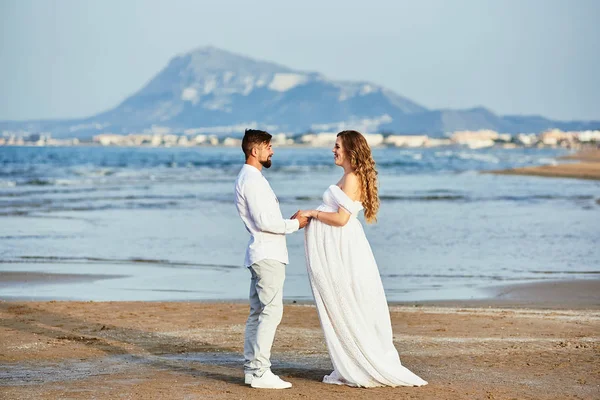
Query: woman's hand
(307, 213)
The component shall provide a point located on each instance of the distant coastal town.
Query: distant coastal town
(472, 139)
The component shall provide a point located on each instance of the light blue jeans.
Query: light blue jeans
(266, 310)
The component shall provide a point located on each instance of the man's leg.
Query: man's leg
(251, 323)
(270, 276)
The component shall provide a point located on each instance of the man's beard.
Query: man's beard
(266, 163)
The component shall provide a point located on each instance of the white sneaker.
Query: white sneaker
(248, 376)
(269, 381)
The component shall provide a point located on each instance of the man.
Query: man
(266, 258)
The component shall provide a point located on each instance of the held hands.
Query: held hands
(301, 218)
(307, 213)
(303, 215)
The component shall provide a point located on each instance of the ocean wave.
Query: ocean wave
(5, 184)
(71, 200)
(463, 276)
(38, 192)
(540, 197)
(94, 172)
(441, 197)
(131, 261)
(459, 197)
(307, 198)
(14, 213)
(50, 207)
(91, 199)
(71, 182)
(303, 168)
(547, 161)
(123, 177)
(488, 158)
(38, 182)
(50, 182)
(12, 172)
(401, 163)
(164, 290)
(588, 272)
(20, 237)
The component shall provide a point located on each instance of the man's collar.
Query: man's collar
(252, 168)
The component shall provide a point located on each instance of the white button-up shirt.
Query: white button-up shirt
(258, 207)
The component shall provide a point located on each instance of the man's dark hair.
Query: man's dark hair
(254, 137)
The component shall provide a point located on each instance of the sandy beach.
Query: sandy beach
(177, 248)
(588, 167)
(514, 346)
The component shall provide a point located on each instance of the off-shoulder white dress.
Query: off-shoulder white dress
(351, 302)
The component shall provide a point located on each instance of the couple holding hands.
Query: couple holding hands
(342, 270)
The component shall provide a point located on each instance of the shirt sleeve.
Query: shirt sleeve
(261, 205)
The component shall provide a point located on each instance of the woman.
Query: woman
(345, 279)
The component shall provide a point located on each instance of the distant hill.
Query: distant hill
(215, 91)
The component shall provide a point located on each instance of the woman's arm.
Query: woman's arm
(350, 186)
(339, 218)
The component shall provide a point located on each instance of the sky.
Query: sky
(76, 58)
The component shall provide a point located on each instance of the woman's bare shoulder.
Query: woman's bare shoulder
(351, 185)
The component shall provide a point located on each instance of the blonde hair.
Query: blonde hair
(357, 149)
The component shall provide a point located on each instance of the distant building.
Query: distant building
(526, 139)
(406, 140)
(556, 137)
(475, 139)
(321, 139)
(280, 139)
(200, 139)
(589, 136)
(107, 139)
(374, 139)
(232, 142)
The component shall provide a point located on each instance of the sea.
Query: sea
(159, 224)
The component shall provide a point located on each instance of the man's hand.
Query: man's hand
(303, 220)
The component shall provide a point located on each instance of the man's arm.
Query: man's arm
(261, 205)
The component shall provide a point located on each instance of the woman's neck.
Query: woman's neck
(347, 169)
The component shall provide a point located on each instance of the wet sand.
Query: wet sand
(591, 155)
(42, 278)
(551, 295)
(588, 167)
(177, 350)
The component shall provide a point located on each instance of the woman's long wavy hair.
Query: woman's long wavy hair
(357, 149)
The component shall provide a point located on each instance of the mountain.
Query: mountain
(215, 91)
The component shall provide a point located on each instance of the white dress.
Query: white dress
(351, 302)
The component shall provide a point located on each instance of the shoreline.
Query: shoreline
(575, 294)
(586, 167)
(542, 294)
(27, 278)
